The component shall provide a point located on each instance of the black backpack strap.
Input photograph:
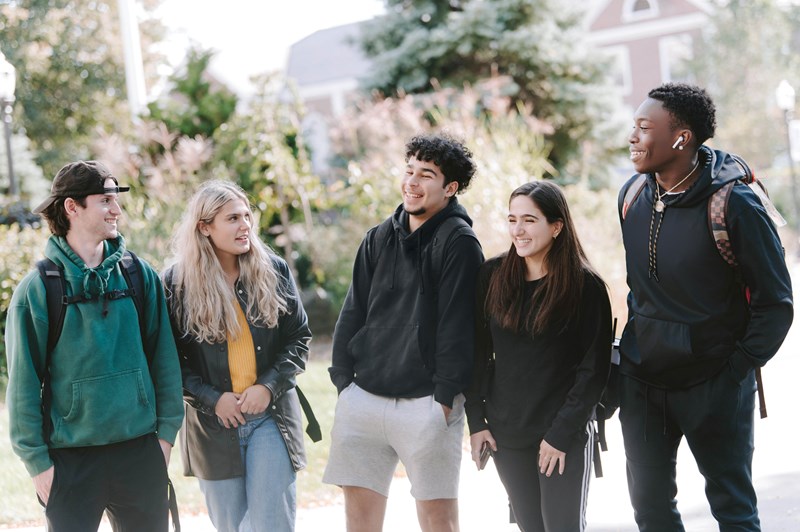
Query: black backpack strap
(56, 291)
(448, 230)
(56, 295)
(173, 506)
(312, 429)
(132, 272)
(383, 233)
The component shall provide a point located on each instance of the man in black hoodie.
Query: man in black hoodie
(403, 345)
(694, 339)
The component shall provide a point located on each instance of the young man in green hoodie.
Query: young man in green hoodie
(104, 442)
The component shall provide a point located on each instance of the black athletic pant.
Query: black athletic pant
(127, 479)
(716, 417)
(547, 504)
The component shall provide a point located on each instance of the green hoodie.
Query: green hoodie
(102, 389)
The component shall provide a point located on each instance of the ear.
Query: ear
(450, 189)
(70, 207)
(557, 227)
(203, 228)
(688, 136)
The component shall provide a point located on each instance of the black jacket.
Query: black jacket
(209, 450)
(402, 333)
(545, 386)
(693, 319)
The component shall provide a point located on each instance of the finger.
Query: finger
(550, 467)
(562, 464)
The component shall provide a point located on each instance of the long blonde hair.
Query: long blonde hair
(202, 299)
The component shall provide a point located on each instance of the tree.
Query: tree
(69, 62)
(741, 63)
(264, 151)
(536, 44)
(197, 105)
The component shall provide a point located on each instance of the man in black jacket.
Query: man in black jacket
(403, 345)
(694, 337)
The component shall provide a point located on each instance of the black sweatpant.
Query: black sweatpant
(716, 417)
(127, 479)
(547, 504)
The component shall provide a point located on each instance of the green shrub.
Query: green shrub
(22, 247)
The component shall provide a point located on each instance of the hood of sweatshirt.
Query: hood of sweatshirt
(718, 168)
(414, 243)
(90, 282)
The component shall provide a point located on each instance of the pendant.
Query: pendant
(659, 206)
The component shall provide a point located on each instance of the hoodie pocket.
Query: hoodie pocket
(662, 344)
(106, 409)
(389, 358)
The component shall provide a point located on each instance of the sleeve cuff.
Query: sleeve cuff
(740, 365)
(444, 396)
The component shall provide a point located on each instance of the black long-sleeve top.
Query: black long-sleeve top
(544, 386)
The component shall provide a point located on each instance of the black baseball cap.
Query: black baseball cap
(78, 180)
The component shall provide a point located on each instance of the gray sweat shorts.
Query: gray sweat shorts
(372, 433)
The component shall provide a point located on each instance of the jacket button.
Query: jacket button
(274, 407)
(258, 348)
(240, 291)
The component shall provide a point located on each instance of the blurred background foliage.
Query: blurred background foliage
(514, 78)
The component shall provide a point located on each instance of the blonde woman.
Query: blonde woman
(242, 336)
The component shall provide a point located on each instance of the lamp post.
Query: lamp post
(785, 97)
(8, 81)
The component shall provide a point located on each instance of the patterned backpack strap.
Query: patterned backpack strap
(717, 219)
(631, 193)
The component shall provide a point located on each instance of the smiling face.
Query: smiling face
(529, 229)
(652, 138)
(424, 191)
(229, 231)
(97, 221)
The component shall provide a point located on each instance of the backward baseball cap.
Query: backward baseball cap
(78, 180)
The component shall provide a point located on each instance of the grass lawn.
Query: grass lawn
(19, 500)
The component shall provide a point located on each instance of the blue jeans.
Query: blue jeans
(264, 498)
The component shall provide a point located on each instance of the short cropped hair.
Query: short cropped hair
(691, 107)
(448, 153)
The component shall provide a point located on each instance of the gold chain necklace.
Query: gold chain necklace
(659, 205)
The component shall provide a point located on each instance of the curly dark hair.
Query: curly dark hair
(448, 153)
(691, 107)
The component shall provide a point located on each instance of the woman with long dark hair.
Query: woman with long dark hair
(242, 337)
(542, 358)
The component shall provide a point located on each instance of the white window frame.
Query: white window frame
(665, 49)
(620, 57)
(629, 15)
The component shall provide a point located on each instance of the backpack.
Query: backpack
(448, 230)
(57, 300)
(718, 226)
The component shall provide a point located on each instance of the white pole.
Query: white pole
(134, 68)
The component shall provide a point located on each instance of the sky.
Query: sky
(253, 36)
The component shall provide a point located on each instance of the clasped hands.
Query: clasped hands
(231, 407)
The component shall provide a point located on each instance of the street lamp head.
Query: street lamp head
(8, 79)
(785, 96)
